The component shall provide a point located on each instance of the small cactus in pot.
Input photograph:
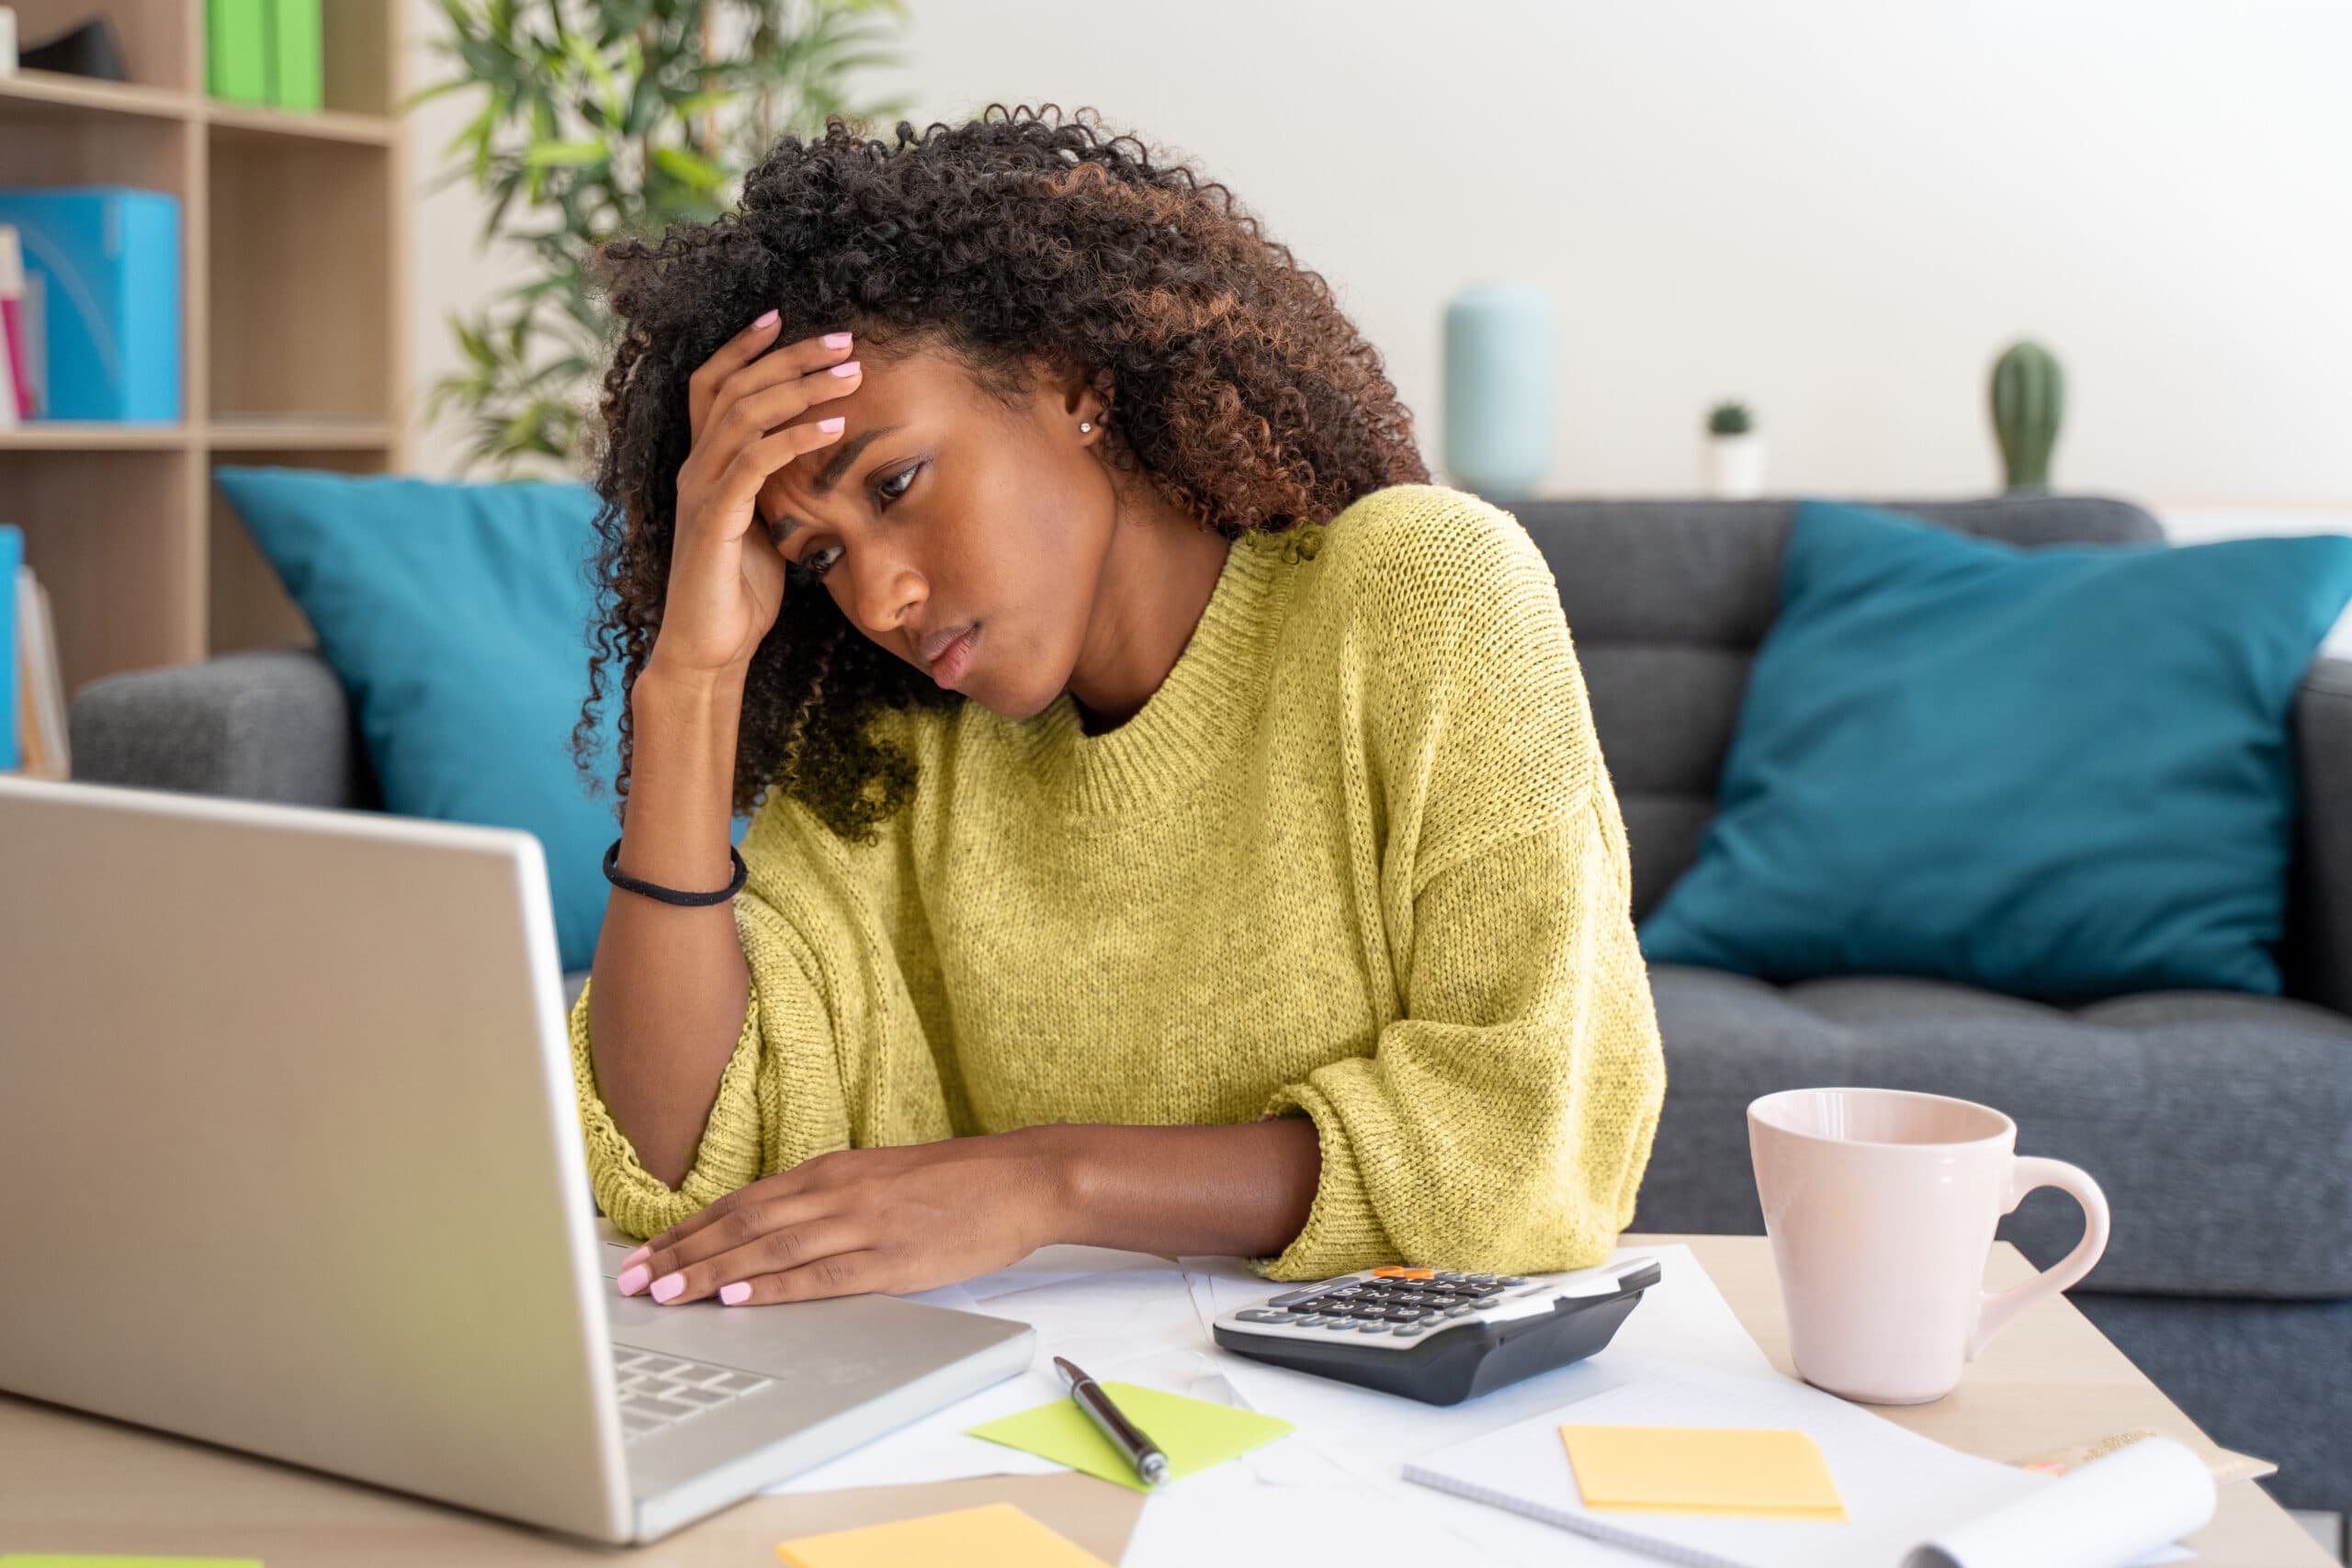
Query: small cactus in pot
(2029, 400)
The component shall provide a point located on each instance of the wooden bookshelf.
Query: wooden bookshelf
(293, 327)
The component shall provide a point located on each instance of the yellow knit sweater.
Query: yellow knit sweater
(1357, 857)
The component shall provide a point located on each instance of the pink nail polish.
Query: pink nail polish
(837, 340)
(766, 320)
(639, 1256)
(735, 1294)
(631, 1280)
(846, 368)
(668, 1286)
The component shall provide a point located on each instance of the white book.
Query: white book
(1902, 1491)
(36, 656)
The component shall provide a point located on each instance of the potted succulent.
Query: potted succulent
(2029, 400)
(1735, 457)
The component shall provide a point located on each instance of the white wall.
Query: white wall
(1839, 210)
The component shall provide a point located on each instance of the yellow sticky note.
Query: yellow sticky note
(1193, 1433)
(997, 1535)
(1758, 1473)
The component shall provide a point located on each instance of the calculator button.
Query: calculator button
(1408, 1330)
(1313, 1320)
(1258, 1314)
(1457, 1312)
(1513, 1279)
(1294, 1297)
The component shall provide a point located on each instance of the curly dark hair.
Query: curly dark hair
(1239, 391)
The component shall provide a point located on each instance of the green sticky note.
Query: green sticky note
(1192, 1433)
(92, 1560)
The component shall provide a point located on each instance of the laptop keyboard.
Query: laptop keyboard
(659, 1391)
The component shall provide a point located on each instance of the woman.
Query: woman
(1178, 825)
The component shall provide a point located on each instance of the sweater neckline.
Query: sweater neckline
(1207, 704)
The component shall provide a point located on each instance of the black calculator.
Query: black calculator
(1436, 1335)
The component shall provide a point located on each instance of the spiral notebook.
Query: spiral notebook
(1900, 1490)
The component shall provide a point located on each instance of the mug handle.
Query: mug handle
(2026, 1173)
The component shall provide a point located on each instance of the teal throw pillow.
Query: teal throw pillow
(457, 617)
(2063, 772)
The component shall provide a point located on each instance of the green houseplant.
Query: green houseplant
(604, 117)
(1734, 457)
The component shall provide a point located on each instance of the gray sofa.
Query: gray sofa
(2220, 1124)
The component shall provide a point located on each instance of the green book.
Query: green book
(297, 77)
(236, 58)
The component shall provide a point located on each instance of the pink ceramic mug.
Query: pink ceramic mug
(1880, 1205)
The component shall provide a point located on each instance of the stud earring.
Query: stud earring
(1084, 425)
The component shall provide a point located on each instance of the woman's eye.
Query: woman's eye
(813, 573)
(816, 573)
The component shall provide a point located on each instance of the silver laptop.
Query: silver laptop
(293, 1164)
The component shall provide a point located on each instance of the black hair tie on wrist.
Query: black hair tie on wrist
(671, 895)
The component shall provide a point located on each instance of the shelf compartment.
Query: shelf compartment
(49, 142)
(301, 258)
(106, 532)
(162, 40)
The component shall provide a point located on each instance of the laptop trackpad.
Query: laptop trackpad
(833, 1341)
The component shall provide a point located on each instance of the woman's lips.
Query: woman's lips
(955, 657)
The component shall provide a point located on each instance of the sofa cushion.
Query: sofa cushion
(2180, 1103)
(457, 616)
(2063, 772)
(1686, 589)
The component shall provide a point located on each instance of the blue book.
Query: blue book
(12, 555)
(109, 258)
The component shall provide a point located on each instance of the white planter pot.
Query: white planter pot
(1735, 466)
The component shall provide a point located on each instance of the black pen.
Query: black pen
(1124, 1435)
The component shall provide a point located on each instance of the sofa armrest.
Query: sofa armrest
(2318, 957)
(265, 724)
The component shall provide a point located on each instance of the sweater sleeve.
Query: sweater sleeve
(1502, 1123)
(831, 1054)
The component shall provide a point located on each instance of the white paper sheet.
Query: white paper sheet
(1338, 1481)
(1145, 1319)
